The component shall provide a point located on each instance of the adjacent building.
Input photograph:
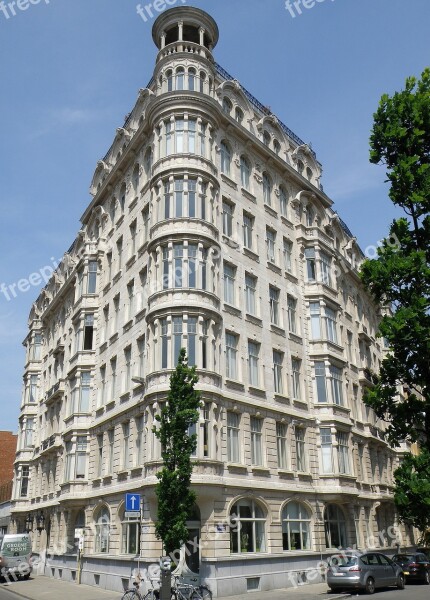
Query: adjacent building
(209, 229)
(8, 442)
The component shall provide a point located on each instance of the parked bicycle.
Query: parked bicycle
(134, 594)
(187, 591)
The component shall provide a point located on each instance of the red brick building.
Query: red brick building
(8, 442)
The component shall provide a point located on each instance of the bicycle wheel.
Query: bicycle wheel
(196, 595)
(131, 595)
(205, 592)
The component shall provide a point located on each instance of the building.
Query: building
(208, 228)
(8, 442)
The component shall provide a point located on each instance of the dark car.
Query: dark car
(416, 567)
(367, 571)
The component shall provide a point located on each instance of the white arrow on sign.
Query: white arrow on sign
(133, 501)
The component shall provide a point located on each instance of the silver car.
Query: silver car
(366, 571)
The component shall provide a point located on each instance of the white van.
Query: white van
(15, 555)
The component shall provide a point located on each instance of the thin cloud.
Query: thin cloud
(66, 117)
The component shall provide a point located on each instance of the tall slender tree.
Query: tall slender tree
(177, 416)
(399, 278)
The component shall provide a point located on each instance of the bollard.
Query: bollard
(165, 578)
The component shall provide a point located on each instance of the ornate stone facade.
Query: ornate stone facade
(208, 228)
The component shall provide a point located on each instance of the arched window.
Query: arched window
(169, 77)
(112, 210)
(180, 77)
(102, 531)
(247, 531)
(245, 172)
(238, 115)
(227, 106)
(135, 178)
(310, 216)
(276, 147)
(225, 158)
(266, 138)
(202, 81)
(335, 527)
(267, 189)
(296, 527)
(283, 201)
(130, 528)
(191, 80)
(300, 166)
(79, 523)
(309, 173)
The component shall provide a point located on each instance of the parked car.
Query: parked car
(367, 571)
(416, 567)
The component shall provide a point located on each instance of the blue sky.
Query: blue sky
(70, 72)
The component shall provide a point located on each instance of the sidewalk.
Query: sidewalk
(46, 588)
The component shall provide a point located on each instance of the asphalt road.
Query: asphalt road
(412, 591)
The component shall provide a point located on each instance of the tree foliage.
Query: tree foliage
(399, 278)
(412, 494)
(178, 414)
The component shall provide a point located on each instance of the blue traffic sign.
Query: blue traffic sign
(132, 502)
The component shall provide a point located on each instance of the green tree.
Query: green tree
(399, 278)
(178, 414)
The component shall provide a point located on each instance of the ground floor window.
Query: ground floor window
(335, 527)
(130, 537)
(102, 531)
(247, 532)
(296, 527)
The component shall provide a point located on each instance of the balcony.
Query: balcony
(55, 392)
(51, 444)
(363, 334)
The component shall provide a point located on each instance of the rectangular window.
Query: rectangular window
(126, 445)
(88, 332)
(115, 320)
(300, 449)
(296, 378)
(141, 352)
(270, 245)
(325, 269)
(28, 432)
(227, 218)
(84, 397)
(229, 281)
(349, 346)
(233, 437)
(192, 126)
(250, 294)
(192, 188)
(113, 379)
(99, 455)
(310, 264)
(167, 201)
(248, 227)
(330, 316)
(292, 314)
(138, 458)
(192, 265)
(180, 129)
(133, 230)
(315, 314)
(179, 198)
(177, 338)
(278, 359)
(164, 343)
(281, 445)
(253, 358)
(119, 253)
(206, 429)
(33, 388)
(130, 301)
(127, 373)
(81, 457)
(231, 355)
(320, 381)
(192, 336)
(25, 477)
(178, 258)
(288, 256)
(92, 277)
(102, 386)
(326, 450)
(256, 441)
(274, 305)
(37, 347)
(111, 445)
(342, 439)
(336, 385)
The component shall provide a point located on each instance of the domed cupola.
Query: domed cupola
(185, 29)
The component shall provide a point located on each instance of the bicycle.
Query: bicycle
(187, 591)
(134, 594)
